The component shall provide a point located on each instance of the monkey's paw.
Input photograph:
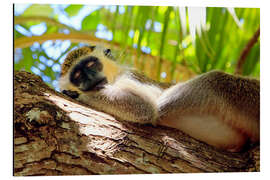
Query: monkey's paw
(72, 94)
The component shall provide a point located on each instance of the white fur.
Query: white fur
(149, 93)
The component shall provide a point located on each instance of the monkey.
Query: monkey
(216, 108)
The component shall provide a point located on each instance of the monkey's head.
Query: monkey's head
(88, 68)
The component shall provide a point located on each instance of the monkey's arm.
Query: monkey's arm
(124, 99)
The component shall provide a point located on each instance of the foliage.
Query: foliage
(157, 40)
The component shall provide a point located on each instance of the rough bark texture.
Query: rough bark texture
(55, 135)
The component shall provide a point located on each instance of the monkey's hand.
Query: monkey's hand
(72, 94)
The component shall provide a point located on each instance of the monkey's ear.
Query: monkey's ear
(72, 94)
(108, 53)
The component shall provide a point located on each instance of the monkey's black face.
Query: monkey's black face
(87, 74)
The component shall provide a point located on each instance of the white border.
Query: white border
(209, 3)
(7, 91)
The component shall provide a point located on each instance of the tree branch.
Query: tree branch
(55, 135)
(22, 19)
(181, 72)
(246, 50)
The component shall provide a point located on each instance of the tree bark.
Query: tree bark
(56, 135)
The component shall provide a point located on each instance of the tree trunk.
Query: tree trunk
(56, 135)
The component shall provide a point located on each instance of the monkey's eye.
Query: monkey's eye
(77, 75)
(94, 65)
(107, 52)
(90, 64)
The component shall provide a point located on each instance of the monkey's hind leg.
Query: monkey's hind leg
(199, 109)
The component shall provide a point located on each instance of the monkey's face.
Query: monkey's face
(87, 69)
(87, 74)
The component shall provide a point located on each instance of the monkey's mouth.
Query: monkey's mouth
(100, 84)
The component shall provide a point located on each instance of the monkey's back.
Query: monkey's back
(241, 92)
